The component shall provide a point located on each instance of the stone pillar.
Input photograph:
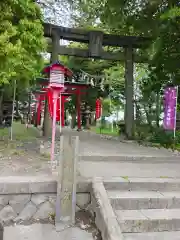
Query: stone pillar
(1, 231)
(129, 93)
(78, 109)
(66, 187)
(95, 43)
(55, 45)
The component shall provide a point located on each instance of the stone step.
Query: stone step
(153, 236)
(142, 184)
(131, 158)
(149, 220)
(135, 200)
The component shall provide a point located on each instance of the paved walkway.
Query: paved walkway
(98, 158)
(44, 232)
(107, 158)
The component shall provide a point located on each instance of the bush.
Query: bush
(143, 132)
(121, 127)
(165, 138)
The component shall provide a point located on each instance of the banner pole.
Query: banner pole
(12, 119)
(175, 114)
(53, 127)
(60, 102)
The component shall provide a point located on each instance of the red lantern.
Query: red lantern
(56, 73)
(51, 105)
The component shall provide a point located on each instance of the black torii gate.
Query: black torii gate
(96, 40)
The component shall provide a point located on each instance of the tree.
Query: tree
(21, 42)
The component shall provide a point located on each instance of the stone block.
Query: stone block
(135, 200)
(83, 185)
(44, 211)
(7, 214)
(47, 186)
(14, 187)
(149, 220)
(27, 213)
(38, 199)
(152, 236)
(139, 184)
(18, 202)
(52, 199)
(83, 200)
(4, 200)
(105, 220)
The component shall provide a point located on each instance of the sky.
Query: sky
(58, 13)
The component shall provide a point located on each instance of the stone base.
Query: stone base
(32, 199)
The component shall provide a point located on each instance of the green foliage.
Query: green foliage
(165, 138)
(158, 19)
(21, 40)
(157, 136)
(106, 111)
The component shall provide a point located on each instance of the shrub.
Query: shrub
(165, 138)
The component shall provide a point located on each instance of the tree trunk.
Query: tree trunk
(73, 121)
(17, 107)
(129, 93)
(47, 121)
(138, 113)
(88, 122)
(148, 117)
(157, 109)
(1, 107)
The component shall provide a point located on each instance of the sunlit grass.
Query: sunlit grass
(20, 132)
(105, 131)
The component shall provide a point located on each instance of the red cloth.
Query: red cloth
(98, 108)
(51, 104)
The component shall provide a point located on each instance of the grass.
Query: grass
(105, 131)
(20, 132)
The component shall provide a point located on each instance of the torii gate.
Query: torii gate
(96, 41)
(77, 88)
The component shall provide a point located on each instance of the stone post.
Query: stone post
(95, 43)
(129, 93)
(55, 46)
(1, 231)
(66, 187)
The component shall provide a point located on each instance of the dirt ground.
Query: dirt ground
(86, 221)
(21, 156)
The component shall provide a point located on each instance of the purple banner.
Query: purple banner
(170, 95)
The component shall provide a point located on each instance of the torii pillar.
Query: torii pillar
(78, 105)
(129, 93)
(54, 58)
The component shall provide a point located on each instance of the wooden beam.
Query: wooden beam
(95, 43)
(69, 34)
(84, 53)
(80, 35)
(125, 41)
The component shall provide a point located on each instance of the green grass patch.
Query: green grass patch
(20, 132)
(105, 131)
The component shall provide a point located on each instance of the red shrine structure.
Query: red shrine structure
(70, 88)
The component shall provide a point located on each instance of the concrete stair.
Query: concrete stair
(153, 236)
(146, 209)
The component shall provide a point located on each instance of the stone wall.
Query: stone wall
(27, 199)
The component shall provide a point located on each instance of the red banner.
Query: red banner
(98, 108)
(51, 104)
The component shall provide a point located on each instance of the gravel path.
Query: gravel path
(98, 157)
